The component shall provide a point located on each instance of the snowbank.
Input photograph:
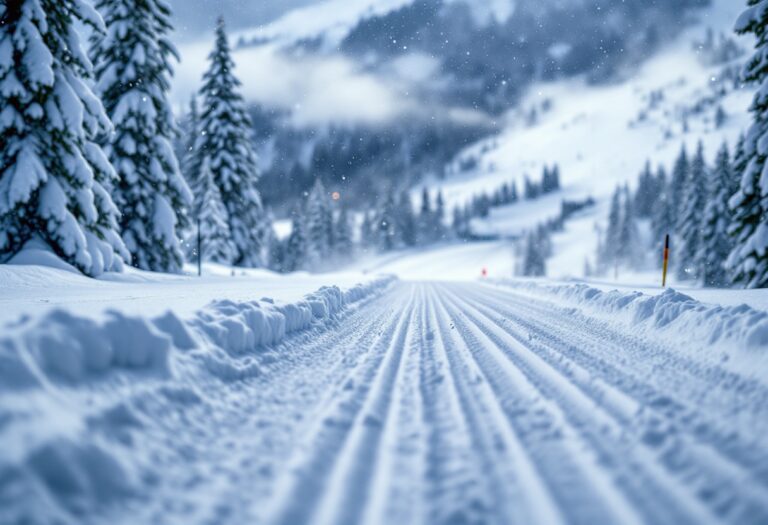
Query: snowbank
(672, 315)
(71, 385)
(63, 347)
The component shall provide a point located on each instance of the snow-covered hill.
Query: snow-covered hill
(601, 136)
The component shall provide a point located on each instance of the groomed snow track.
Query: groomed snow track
(455, 403)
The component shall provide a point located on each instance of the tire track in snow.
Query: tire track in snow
(718, 471)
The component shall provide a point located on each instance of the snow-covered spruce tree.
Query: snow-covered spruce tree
(610, 253)
(366, 231)
(345, 243)
(386, 223)
(715, 243)
(225, 136)
(54, 179)
(215, 238)
(439, 217)
(748, 261)
(133, 70)
(319, 225)
(677, 184)
(662, 214)
(534, 261)
(295, 254)
(406, 220)
(691, 217)
(191, 132)
(647, 192)
(426, 235)
(628, 248)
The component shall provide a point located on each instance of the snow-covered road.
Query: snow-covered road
(433, 403)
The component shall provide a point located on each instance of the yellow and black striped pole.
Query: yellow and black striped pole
(666, 262)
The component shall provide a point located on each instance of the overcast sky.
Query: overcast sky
(193, 16)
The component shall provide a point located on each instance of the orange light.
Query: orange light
(335, 195)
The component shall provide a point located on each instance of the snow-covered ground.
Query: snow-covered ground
(408, 402)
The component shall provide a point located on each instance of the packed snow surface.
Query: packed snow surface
(389, 402)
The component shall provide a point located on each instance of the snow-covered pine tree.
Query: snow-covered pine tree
(406, 220)
(627, 249)
(295, 254)
(662, 222)
(225, 136)
(439, 217)
(611, 250)
(345, 243)
(690, 219)
(513, 197)
(133, 71)
(748, 261)
(555, 175)
(426, 235)
(215, 238)
(715, 243)
(191, 132)
(677, 185)
(534, 262)
(318, 228)
(385, 225)
(647, 192)
(54, 179)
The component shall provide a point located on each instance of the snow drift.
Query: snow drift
(671, 314)
(67, 448)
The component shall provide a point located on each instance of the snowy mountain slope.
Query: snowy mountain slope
(601, 136)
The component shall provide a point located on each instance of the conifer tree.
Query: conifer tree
(366, 231)
(611, 243)
(425, 218)
(628, 252)
(662, 214)
(534, 262)
(677, 184)
(133, 72)
(191, 132)
(54, 178)
(295, 254)
(406, 220)
(715, 243)
(343, 234)
(225, 136)
(439, 217)
(215, 238)
(748, 261)
(647, 192)
(385, 227)
(690, 219)
(319, 225)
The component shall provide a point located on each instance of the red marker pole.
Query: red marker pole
(666, 262)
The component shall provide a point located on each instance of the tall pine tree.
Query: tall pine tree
(133, 72)
(677, 184)
(215, 238)
(715, 241)
(225, 136)
(748, 262)
(662, 216)
(690, 219)
(54, 179)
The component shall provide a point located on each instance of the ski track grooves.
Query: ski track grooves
(460, 403)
